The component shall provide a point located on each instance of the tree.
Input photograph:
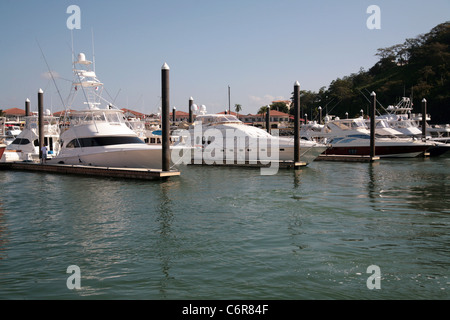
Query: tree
(262, 110)
(280, 106)
(237, 108)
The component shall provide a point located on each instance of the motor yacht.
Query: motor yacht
(11, 133)
(225, 138)
(401, 119)
(352, 137)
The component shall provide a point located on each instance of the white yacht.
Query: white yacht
(101, 136)
(401, 119)
(225, 138)
(25, 147)
(11, 133)
(352, 137)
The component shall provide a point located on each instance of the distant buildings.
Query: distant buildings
(14, 115)
(277, 119)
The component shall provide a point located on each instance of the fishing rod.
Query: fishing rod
(51, 74)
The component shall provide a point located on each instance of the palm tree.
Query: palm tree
(237, 108)
(263, 110)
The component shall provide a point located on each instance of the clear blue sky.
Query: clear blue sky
(258, 48)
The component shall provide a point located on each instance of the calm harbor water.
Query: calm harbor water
(230, 233)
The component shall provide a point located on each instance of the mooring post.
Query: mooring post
(41, 122)
(320, 115)
(296, 122)
(27, 107)
(165, 115)
(191, 102)
(424, 119)
(372, 125)
(268, 119)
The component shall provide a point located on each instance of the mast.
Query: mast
(229, 106)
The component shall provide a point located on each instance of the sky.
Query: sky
(258, 49)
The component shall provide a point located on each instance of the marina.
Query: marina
(313, 163)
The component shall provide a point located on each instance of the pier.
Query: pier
(252, 164)
(346, 158)
(127, 173)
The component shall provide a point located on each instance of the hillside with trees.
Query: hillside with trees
(418, 68)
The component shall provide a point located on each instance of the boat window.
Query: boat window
(359, 136)
(73, 144)
(99, 117)
(20, 141)
(102, 141)
(113, 117)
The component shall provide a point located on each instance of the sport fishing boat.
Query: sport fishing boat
(101, 136)
(226, 138)
(352, 137)
(25, 147)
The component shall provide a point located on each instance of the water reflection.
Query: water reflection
(371, 184)
(3, 232)
(167, 239)
(297, 174)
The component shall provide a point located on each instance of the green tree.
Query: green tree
(237, 108)
(262, 110)
(280, 106)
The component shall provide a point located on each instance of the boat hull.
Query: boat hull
(2, 149)
(406, 151)
(140, 156)
(218, 156)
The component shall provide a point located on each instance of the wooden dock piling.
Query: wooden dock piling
(165, 122)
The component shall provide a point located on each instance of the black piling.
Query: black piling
(27, 107)
(372, 125)
(41, 121)
(165, 115)
(424, 119)
(191, 116)
(268, 119)
(296, 122)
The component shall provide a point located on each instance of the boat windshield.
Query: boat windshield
(348, 124)
(218, 119)
(97, 116)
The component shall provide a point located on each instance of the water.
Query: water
(230, 233)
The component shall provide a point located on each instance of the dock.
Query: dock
(125, 173)
(252, 164)
(346, 158)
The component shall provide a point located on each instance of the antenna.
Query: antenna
(93, 50)
(73, 54)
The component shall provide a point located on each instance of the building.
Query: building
(133, 114)
(14, 115)
(277, 119)
(179, 116)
